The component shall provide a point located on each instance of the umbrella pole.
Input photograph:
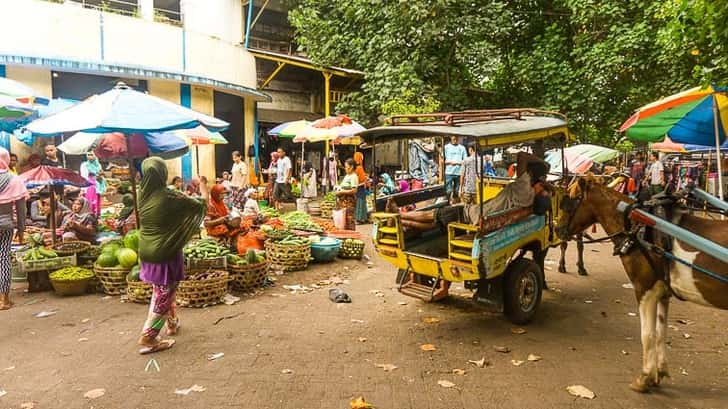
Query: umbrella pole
(53, 214)
(197, 158)
(132, 175)
(717, 149)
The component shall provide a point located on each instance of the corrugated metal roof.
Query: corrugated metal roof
(132, 71)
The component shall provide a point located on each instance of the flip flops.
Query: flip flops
(158, 347)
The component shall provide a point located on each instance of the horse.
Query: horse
(655, 278)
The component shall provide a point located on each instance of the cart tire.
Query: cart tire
(522, 291)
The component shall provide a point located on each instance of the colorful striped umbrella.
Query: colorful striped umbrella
(289, 129)
(697, 116)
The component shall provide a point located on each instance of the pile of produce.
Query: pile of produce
(71, 274)
(39, 253)
(251, 257)
(134, 274)
(269, 212)
(205, 249)
(273, 233)
(330, 198)
(325, 224)
(300, 221)
(292, 240)
(115, 254)
(207, 275)
(351, 248)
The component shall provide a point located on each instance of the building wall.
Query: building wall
(169, 91)
(39, 80)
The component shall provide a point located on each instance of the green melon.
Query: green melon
(127, 257)
(106, 259)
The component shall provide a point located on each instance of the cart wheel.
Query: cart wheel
(522, 291)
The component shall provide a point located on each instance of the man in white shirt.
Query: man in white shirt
(239, 172)
(656, 174)
(282, 188)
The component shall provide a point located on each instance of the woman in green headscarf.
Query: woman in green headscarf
(161, 239)
(123, 219)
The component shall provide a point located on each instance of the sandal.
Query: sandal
(158, 347)
(172, 330)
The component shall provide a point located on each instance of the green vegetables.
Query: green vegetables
(71, 274)
(205, 249)
(251, 257)
(330, 197)
(300, 221)
(278, 234)
(39, 253)
(269, 212)
(292, 240)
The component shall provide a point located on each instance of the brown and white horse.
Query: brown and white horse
(589, 202)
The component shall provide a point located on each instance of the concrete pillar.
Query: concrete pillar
(146, 9)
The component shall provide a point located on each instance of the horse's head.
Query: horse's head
(577, 213)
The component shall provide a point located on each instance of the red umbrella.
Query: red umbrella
(52, 176)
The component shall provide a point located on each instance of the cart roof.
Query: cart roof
(490, 127)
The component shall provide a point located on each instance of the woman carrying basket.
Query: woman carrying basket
(161, 240)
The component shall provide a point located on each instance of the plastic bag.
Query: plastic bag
(339, 218)
(250, 240)
(338, 295)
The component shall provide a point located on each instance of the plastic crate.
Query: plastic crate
(47, 263)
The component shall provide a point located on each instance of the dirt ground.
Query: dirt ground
(285, 350)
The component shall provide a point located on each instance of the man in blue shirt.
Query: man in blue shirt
(454, 154)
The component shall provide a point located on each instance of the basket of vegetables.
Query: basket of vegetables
(136, 289)
(300, 221)
(71, 280)
(205, 254)
(203, 288)
(352, 248)
(290, 253)
(328, 204)
(112, 265)
(69, 247)
(247, 272)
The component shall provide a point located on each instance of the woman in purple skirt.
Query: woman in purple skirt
(161, 239)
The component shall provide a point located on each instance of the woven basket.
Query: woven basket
(203, 293)
(69, 247)
(247, 278)
(139, 291)
(113, 279)
(356, 252)
(70, 287)
(327, 209)
(287, 257)
(217, 263)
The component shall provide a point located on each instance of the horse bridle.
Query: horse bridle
(574, 204)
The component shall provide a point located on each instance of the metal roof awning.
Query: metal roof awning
(304, 63)
(490, 128)
(132, 71)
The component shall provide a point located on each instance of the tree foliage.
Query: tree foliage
(594, 60)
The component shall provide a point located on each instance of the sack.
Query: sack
(339, 219)
(250, 240)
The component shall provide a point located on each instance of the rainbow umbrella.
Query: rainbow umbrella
(289, 129)
(199, 136)
(697, 116)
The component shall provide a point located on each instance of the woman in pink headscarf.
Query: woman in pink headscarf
(12, 201)
(272, 171)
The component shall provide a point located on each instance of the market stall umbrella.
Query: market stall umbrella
(114, 145)
(19, 92)
(580, 158)
(329, 130)
(51, 176)
(199, 136)
(124, 110)
(697, 116)
(289, 129)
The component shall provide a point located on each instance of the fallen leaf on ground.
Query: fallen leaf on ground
(684, 321)
(427, 347)
(187, 391)
(480, 363)
(360, 403)
(518, 331)
(386, 367)
(625, 352)
(94, 393)
(588, 301)
(82, 339)
(85, 320)
(445, 384)
(687, 336)
(44, 314)
(3, 393)
(534, 358)
(672, 327)
(683, 371)
(458, 371)
(27, 405)
(430, 320)
(10, 368)
(504, 350)
(628, 285)
(287, 371)
(230, 299)
(402, 303)
(213, 357)
(358, 321)
(516, 362)
(362, 339)
(581, 391)
(632, 314)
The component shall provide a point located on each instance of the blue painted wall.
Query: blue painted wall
(185, 99)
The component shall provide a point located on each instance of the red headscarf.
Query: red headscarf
(359, 160)
(217, 206)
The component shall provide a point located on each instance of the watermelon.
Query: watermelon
(106, 259)
(127, 257)
(131, 240)
(111, 247)
(133, 274)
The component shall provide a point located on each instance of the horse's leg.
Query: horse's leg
(648, 320)
(562, 261)
(662, 309)
(580, 252)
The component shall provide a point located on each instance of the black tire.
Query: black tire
(522, 291)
